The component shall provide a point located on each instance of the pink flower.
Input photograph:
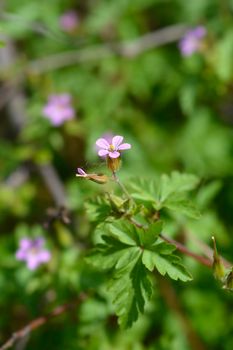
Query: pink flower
(69, 21)
(191, 42)
(33, 252)
(59, 109)
(111, 149)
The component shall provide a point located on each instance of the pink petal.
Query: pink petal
(102, 143)
(44, 256)
(64, 99)
(25, 243)
(21, 255)
(124, 146)
(103, 152)
(81, 171)
(32, 262)
(114, 154)
(116, 141)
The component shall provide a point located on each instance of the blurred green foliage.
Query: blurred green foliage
(177, 112)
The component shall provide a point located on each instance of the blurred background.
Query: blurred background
(158, 72)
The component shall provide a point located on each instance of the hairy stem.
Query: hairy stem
(120, 184)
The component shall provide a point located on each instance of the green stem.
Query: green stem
(120, 184)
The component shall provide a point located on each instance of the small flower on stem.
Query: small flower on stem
(112, 149)
(98, 178)
(59, 109)
(192, 41)
(33, 252)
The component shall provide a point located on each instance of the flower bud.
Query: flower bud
(98, 178)
(218, 267)
(229, 280)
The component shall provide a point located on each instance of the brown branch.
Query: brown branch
(127, 49)
(40, 321)
(53, 183)
(17, 112)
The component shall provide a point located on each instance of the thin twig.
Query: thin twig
(40, 321)
(183, 249)
(97, 52)
(17, 112)
(54, 184)
(34, 26)
(18, 177)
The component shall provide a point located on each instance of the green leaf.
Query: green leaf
(176, 183)
(166, 264)
(207, 193)
(163, 248)
(143, 190)
(170, 193)
(129, 285)
(128, 253)
(129, 293)
(182, 206)
(149, 236)
(124, 231)
(118, 247)
(98, 209)
(223, 61)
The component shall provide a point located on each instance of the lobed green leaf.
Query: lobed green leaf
(165, 264)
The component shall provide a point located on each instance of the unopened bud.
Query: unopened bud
(218, 267)
(98, 178)
(229, 280)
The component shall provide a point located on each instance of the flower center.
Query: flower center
(111, 148)
(34, 250)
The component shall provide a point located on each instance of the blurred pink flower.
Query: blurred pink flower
(112, 148)
(59, 109)
(191, 41)
(33, 252)
(69, 21)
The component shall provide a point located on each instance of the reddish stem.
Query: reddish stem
(186, 251)
(40, 321)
